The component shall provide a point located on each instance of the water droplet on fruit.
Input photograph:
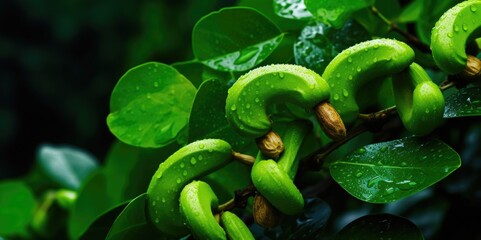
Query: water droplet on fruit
(281, 75)
(233, 107)
(193, 161)
(473, 8)
(178, 180)
(465, 27)
(182, 165)
(345, 92)
(257, 100)
(349, 59)
(456, 28)
(336, 96)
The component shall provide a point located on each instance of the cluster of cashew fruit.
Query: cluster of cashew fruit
(179, 204)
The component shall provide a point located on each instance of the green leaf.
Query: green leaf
(67, 166)
(375, 26)
(335, 13)
(389, 171)
(132, 222)
(234, 39)
(466, 102)
(291, 9)
(412, 12)
(380, 226)
(319, 43)
(101, 226)
(17, 206)
(431, 12)
(92, 202)
(197, 72)
(207, 119)
(150, 105)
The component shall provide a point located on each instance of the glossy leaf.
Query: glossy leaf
(292, 9)
(17, 207)
(150, 105)
(466, 102)
(335, 13)
(207, 119)
(234, 39)
(67, 166)
(319, 43)
(431, 12)
(380, 226)
(375, 26)
(389, 171)
(132, 223)
(101, 226)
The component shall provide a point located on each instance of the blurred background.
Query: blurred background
(59, 61)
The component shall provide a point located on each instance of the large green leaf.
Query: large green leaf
(101, 226)
(234, 39)
(67, 166)
(389, 171)
(131, 223)
(292, 9)
(150, 105)
(335, 13)
(466, 102)
(380, 226)
(412, 12)
(207, 119)
(319, 43)
(431, 12)
(17, 206)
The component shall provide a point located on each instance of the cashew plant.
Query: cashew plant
(286, 110)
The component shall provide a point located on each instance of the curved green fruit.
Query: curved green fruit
(293, 137)
(277, 187)
(191, 162)
(236, 228)
(451, 34)
(196, 201)
(359, 65)
(420, 102)
(280, 83)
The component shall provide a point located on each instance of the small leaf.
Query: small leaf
(132, 223)
(207, 119)
(67, 166)
(319, 43)
(412, 12)
(389, 171)
(466, 102)
(101, 226)
(150, 105)
(17, 207)
(335, 13)
(234, 39)
(380, 226)
(292, 9)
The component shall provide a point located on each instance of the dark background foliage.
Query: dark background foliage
(59, 61)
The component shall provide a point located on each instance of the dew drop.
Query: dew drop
(373, 181)
(336, 96)
(153, 203)
(465, 27)
(349, 59)
(156, 84)
(383, 149)
(163, 200)
(182, 165)
(233, 107)
(193, 161)
(358, 69)
(248, 106)
(456, 28)
(359, 174)
(473, 8)
(137, 88)
(281, 75)
(184, 173)
(450, 35)
(157, 220)
(361, 150)
(345, 92)
(257, 100)
(178, 180)
(338, 75)
(389, 191)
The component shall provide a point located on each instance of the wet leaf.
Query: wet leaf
(412, 12)
(292, 9)
(389, 171)
(197, 72)
(17, 206)
(335, 13)
(234, 39)
(101, 226)
(67, 166)
(207, 119)
(319, 43)
(380, 226)
(150, 105)
(466, 102)
(431, 12)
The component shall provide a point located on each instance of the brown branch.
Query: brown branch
(411, 39)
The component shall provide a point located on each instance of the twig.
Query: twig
(411, 39)
(239, 200)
